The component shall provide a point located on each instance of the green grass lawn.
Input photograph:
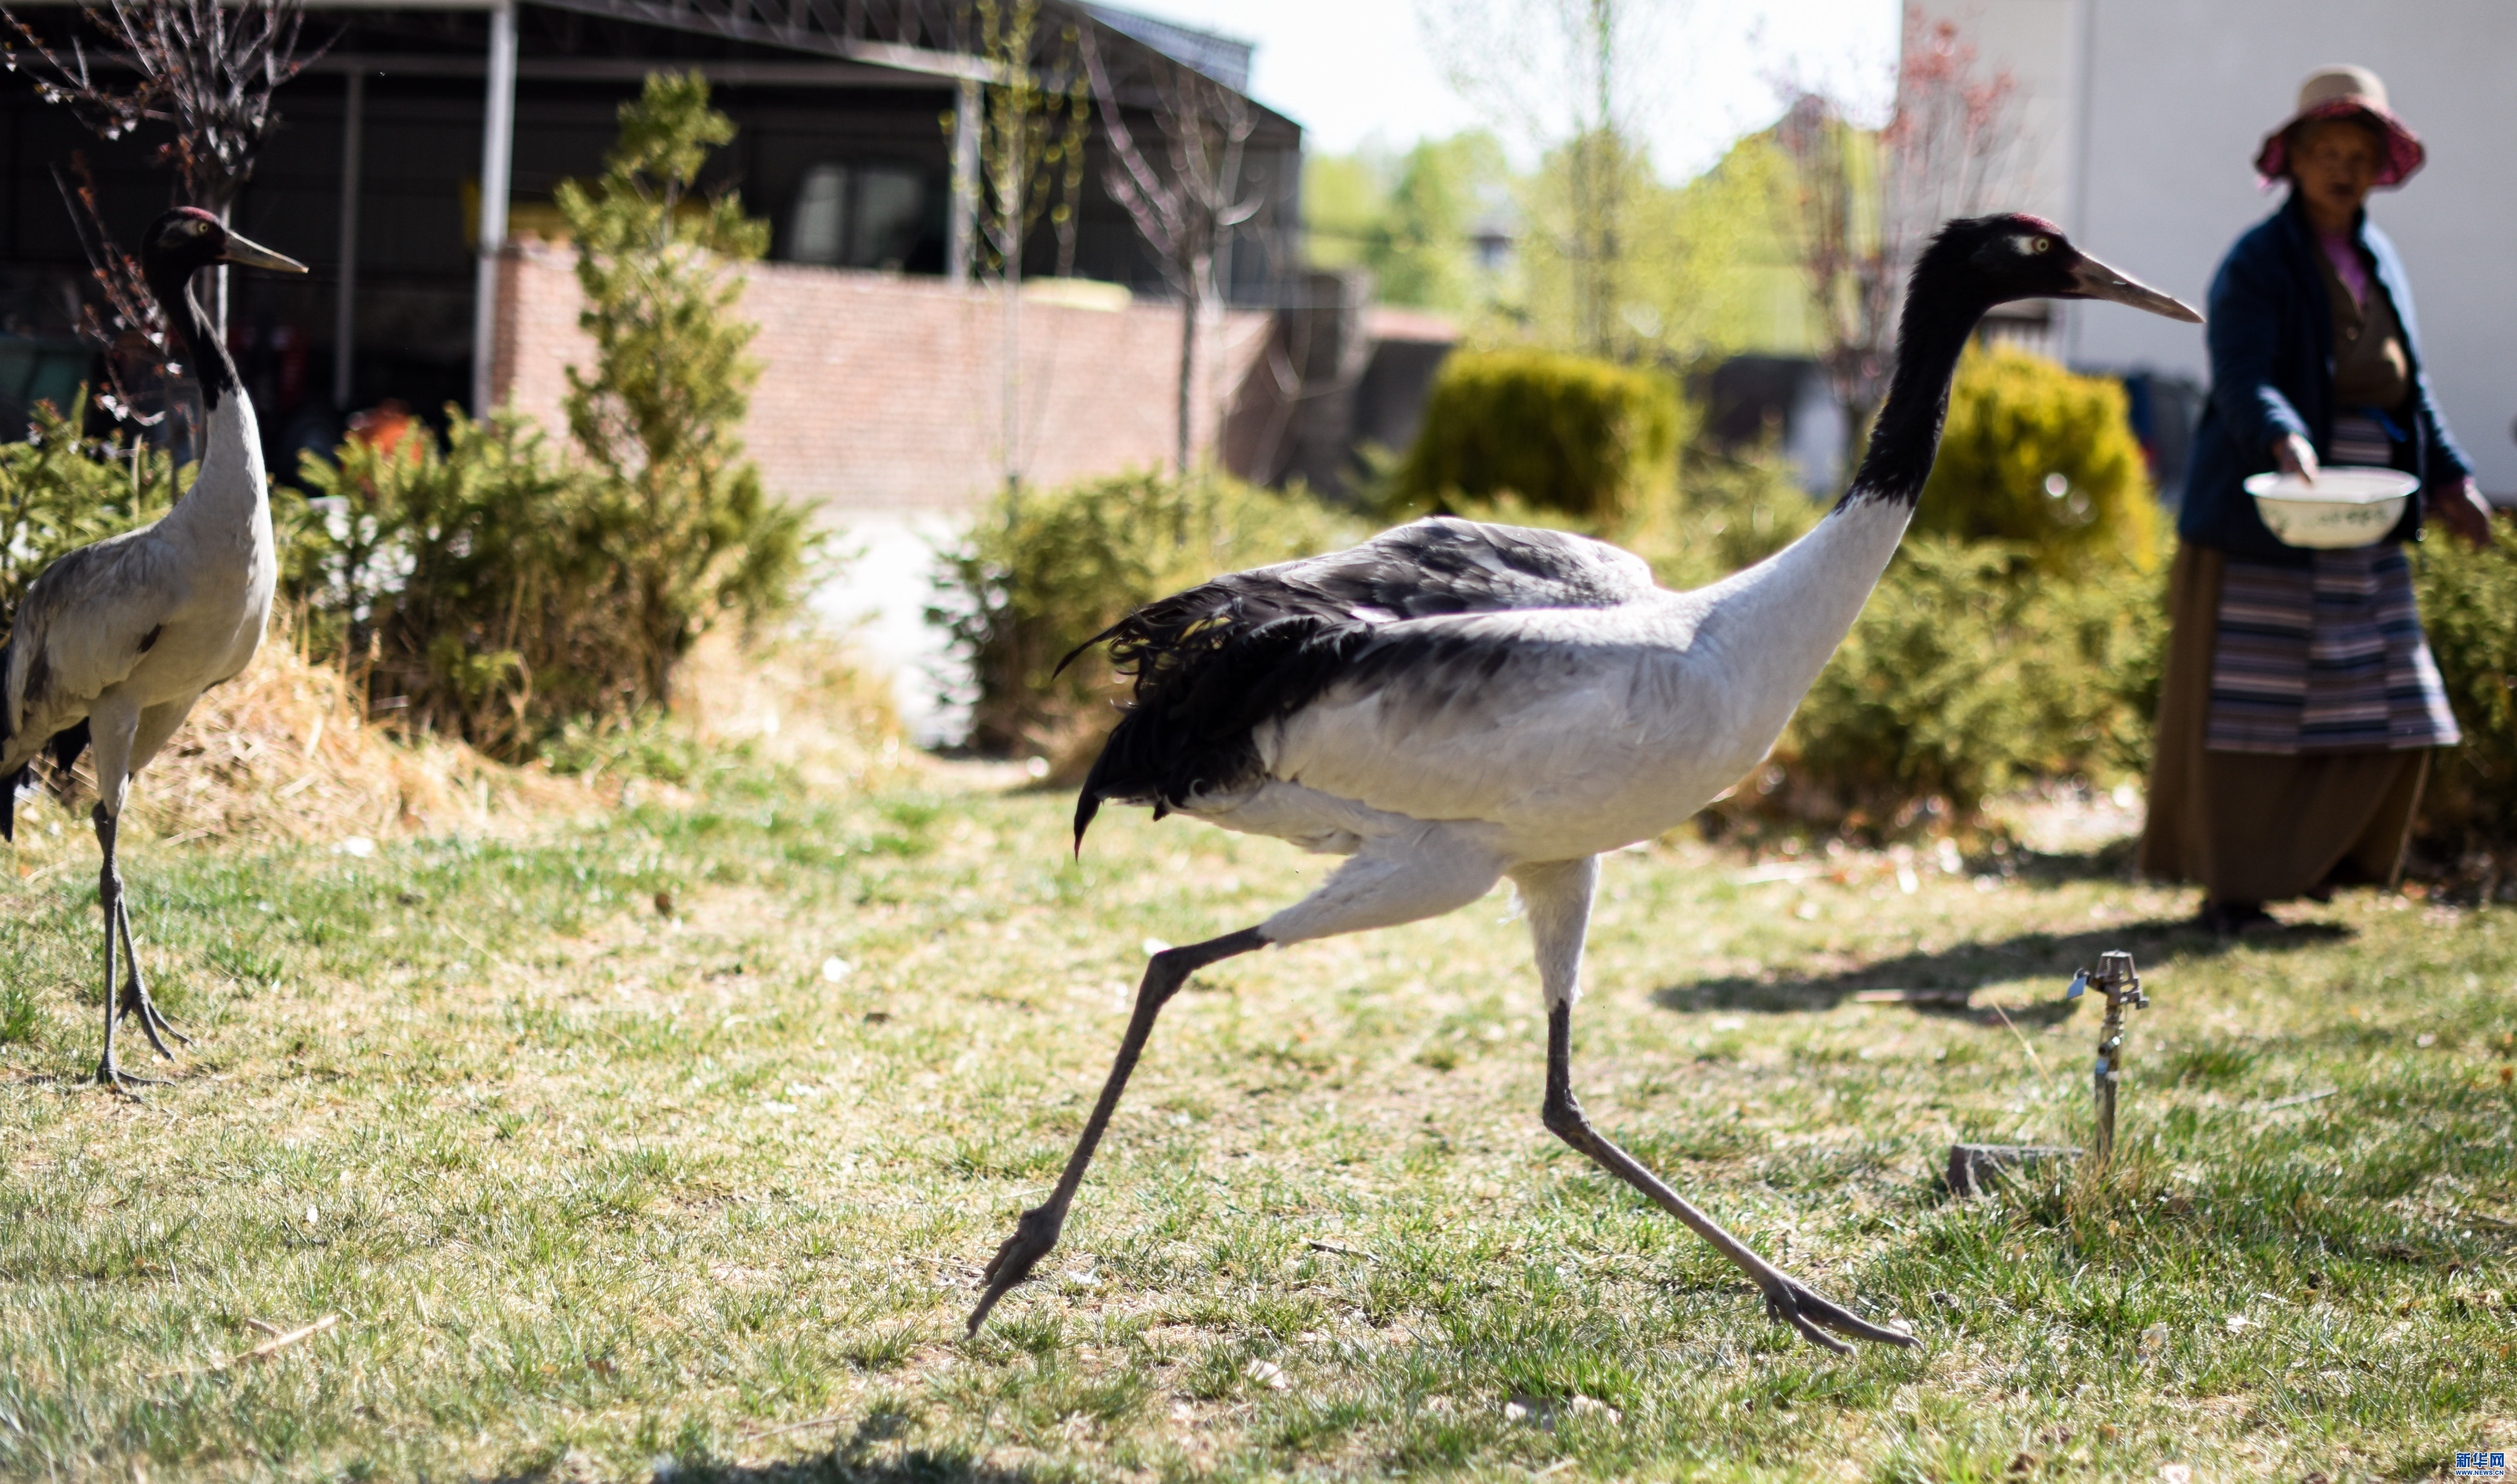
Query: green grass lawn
(672, 1146)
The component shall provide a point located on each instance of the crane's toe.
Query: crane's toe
(1034, 1235)
(134, 1004)
(110, 1073)
(1791, 1303)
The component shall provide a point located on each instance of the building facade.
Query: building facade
(2140, 119)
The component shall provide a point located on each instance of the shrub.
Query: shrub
(469, 585)
(1964, 677)
(2468, 602)
(59, 490)
(1729, 514)
(1586, 438)
(1040, 573)
(2035, 455)
(693, 534)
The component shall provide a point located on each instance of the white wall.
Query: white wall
(2176, 95)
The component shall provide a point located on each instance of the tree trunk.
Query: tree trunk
(1192, 304)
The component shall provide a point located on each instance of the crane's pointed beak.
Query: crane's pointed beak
(2093, 279)
(255, 255)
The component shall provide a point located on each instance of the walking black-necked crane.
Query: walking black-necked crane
(1453, 703)
(116, 640)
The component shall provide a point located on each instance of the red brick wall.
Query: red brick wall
(883, 392)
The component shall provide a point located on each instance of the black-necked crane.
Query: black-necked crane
(115, 641)
(1452, 704)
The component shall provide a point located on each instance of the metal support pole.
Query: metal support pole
(497, 147)
(962, 239)
(345, 305)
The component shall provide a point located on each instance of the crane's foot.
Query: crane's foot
(1789, 1303)
(110, 1076)
(1034, 1235)
(134, 1004)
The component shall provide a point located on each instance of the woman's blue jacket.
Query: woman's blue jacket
(2271, 336)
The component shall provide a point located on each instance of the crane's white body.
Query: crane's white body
(129, 632)
(1597, 728)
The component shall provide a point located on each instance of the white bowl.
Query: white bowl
(2346, 507)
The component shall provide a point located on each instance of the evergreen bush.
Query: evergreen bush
(2035, 455)
(693, 534)
(470, 585)
(1589, 439)
(2468, 602)
(1961, 680)
(1038, 576)
(59, 490)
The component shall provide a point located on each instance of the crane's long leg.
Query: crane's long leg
(135, 992)
(1037, 1232)
(1401, 878)
(1557, 897)
(108, 890)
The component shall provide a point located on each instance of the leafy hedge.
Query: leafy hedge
(2469, 606)
(2036, 455)
(1965, 677)
(59, 490)
(1042, 571)
(470, 583)
(1585, 438)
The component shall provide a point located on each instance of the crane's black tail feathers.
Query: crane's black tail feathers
(66, 746)
(1203, 679)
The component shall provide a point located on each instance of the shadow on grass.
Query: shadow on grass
(1968, 965)
(855, 1454)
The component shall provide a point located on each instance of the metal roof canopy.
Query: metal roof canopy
(863, 38)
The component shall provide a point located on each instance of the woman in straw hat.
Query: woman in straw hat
(2300, 700)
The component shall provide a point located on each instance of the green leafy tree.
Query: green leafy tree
(1413, 220)
(658, 416)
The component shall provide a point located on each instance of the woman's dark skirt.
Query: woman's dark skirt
(2258, 826)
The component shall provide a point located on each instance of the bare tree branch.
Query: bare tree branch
(1186, 202)
(131, 331)
(1868, 204)
(207, 69)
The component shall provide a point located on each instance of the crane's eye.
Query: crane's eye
(2041, 244)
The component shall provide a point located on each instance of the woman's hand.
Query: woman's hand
(2295, 455)
(2461, 508)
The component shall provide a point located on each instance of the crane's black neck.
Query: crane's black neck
(1939, 319)
(201, 346)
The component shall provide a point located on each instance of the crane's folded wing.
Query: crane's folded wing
(1539, 715)
(84, 626)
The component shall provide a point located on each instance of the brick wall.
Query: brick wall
(884, 393)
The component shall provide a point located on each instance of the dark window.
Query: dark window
(859, 215)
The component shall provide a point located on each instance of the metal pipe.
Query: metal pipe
(498, 152)
(2115, 980)
(345, 305)
(962, 239)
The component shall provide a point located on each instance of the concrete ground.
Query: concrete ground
(880, 601)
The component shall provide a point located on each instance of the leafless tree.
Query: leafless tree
(1866, 203)
(130, 326)
(206, 69)
(1186, 194)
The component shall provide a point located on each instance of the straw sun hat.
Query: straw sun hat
(2345, 92)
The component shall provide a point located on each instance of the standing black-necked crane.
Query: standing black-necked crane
(1451, 703)
(115, 641)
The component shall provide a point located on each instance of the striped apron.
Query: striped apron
(2324, 658)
